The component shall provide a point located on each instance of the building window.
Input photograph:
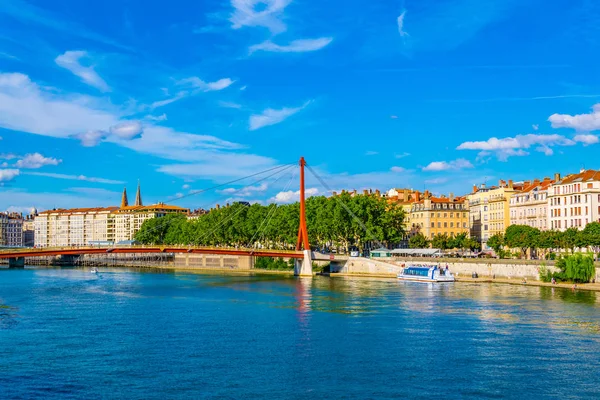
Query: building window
(439, 224)
(433, 224)
(451, 224)
(485, 227)
(445, 215)
(445, 224)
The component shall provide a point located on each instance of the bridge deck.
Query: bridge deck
(46, 252)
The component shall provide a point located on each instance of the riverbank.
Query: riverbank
(580, 286)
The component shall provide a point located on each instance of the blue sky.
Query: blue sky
(428, 94)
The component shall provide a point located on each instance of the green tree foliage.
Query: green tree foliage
(276, 226)
(441, 241)
(580, 268)
(496, 242)
(576, 268)
(591, 235)
(521, 236)
(418, 241)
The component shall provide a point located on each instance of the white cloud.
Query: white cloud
(295, 46)
(263, 13)
(36, 160)
(581, 122)
(24, 106)
(402, 155)
(197, 83)
(243, 87)
(247, 190)
(272, 117)
(185, 187)
(290, 196)
(393, 116)
(229, 104)
(513, 146)
(401, 30)
(371, 153)
(586, 139)
(460, 163)
(75, 177)
(90, 138)
(162, 117)
(71, 60)
(535, 127)
(436, 181)
(8, 174)
(219, 166)
(162, 103)
(397, 169)
(127, 130)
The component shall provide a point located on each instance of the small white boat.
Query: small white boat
(425, 273)
(94, 270)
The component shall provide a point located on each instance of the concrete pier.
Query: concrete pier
(303, 267)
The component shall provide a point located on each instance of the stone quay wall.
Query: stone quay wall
(459, 267)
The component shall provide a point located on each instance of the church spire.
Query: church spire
(138, 196)
(124, 201)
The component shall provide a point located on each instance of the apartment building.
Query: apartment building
(11, 229)
(432, 215)
(574, 201)
(100, 225)
(530, 205)
(489, 209)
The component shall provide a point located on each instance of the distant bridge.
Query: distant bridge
(16, 257)
(303, 258)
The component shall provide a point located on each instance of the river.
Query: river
(67, 333)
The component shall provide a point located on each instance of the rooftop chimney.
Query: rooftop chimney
(217, 206)
(546, 179)
(417, 195)
(475, 189)
(377, 192)
(365, 192)
(502, 183)
(536, 181)
(557, 177)
(451, 196)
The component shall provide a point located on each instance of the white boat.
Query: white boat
(94, 270)
(425, 273)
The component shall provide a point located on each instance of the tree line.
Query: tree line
(444, 241)
(531, 240)
(337, 222)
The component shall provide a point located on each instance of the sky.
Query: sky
(434, 95)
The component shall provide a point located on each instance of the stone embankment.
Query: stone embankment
(461, 268)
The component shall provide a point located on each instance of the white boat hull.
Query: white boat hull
(440, 279)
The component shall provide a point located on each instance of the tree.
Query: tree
(591, 236)
(570, 239)
(521, 236)
(496, 242)
(440, 241)
(459, 241)
(473, 244)
(580, 268)
(418, 241)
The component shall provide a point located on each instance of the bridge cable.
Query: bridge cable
(279, 168)
(241, 208)
(270, 214)
(345, 206)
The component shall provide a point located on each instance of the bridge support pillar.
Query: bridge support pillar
(303, 266)
(17, 262)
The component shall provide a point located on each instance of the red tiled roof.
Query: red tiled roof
(585, 176)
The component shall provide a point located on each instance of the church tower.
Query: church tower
(138, 196)
(124, 201)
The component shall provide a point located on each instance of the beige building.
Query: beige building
(489, 210)
(530, 205)
(431, 215)
(102, 225)
(574, 201)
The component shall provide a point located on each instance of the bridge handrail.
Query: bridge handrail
(71, 248)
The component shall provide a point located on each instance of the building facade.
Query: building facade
(439, 215)
(489, 210)
(574, 201)
(11, 229)
(102, 225)
(431, 215)
(530, 205)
